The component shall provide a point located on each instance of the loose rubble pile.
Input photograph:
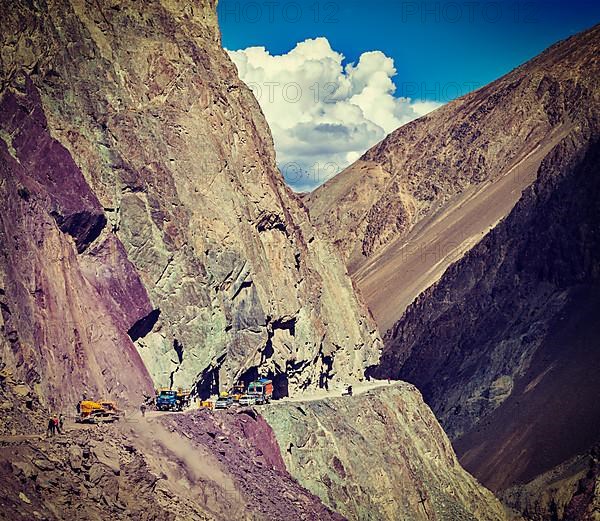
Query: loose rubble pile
(190, 466)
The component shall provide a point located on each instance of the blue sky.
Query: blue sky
(439, 50)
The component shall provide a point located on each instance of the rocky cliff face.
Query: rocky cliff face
(380, 455)
(569, 491)
(141, 203)
(65, 306)
(417, 201)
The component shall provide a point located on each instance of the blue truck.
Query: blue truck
(172, 400)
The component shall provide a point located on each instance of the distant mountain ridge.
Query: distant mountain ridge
(422, 197)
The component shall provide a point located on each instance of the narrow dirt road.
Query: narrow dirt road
(357, 388)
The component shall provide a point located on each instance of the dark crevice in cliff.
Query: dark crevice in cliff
(178, 347)
(23, 193)
(207, 383)
(172, 377)
(280, 386)
(244, 285)
(325, 375)
(144, 325)
(271, 221)
(268, 350)
(326, 365)
(248, 376)
(84, 227)
(287, 324)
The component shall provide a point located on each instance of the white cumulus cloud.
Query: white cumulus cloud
(324, 114)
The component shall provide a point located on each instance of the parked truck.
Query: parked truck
(237, 391)
(172, 399)
(261, 390)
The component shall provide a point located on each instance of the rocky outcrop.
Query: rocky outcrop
(129, 142)
(380, 455)
(419, 200)
(569, 491)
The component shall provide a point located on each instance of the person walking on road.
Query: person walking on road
(143, 410)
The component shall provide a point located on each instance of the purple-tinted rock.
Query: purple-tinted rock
(48, 164)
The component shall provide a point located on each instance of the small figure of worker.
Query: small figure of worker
(143, 410)
(56, 425)
(78, 408)
(61, 423)
(51, 427)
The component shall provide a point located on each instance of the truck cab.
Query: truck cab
(237, 391)
(166, 400)
(261, 390)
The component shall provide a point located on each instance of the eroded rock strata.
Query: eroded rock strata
(504, 346)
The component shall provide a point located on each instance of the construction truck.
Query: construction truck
(172, 399)
(261, 390)
(237, 391)
(99, 411)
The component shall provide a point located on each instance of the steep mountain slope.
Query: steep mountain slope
(147, 238)
(505, 345)
(568, 491)
(421, 198)
(141, 196)
(378, 456)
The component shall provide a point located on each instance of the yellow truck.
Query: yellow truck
(237, 391)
